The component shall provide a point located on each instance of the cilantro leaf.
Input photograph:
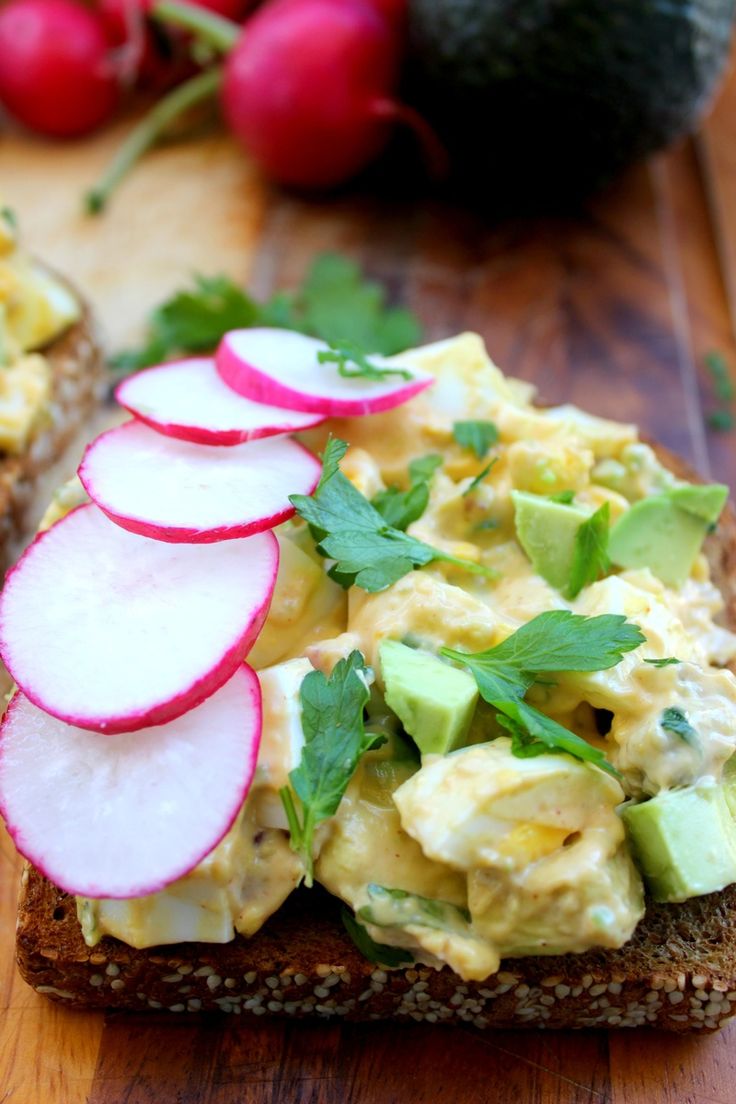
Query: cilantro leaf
(424, 467)
(345, 355)
(533, 733)
(559, 640)
(334, 303)
(478, 436)
(553, 641)
(564, 497)
(335, 739)
(390, 908)
(367, 551)
(475, 483)
(674, 719)
(670, 661)
(590, 555)
(400, 508)
(193, 321)
(380, 953)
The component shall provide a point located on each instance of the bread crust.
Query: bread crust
(77, 373)
(677, 973)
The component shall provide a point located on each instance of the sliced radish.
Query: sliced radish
(113, 632)
(121, 816)
(188, 400)
(281, 367)
(178, 491)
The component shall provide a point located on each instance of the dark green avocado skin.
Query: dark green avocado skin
(544, 98)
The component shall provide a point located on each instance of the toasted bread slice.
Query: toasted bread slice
(77, 370)
(678, 972)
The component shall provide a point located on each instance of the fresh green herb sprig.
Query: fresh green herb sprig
(590, 554)
(368, 552)
(565, 498)
(400, 508)
(334, 302)
(380, 953)
(353, 364)
(553, 641)
(668, 661)
(673, 719)
(334, 740)
(475, 435)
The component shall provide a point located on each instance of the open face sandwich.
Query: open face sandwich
(478, 765)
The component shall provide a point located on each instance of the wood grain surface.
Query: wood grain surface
(613, 309)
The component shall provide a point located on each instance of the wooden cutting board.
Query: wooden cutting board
(613, 309)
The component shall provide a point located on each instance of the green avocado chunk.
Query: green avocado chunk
(434, 702)
(547, 531)
(665, 532)
(684, 841)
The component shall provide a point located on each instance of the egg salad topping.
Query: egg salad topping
(34, 309)
(492, 658)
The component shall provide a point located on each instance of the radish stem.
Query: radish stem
(208, 27)
(435, 155)
(149, 130)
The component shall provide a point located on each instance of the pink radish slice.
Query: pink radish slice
(121, 816)
(178, 491)
(113, 632)
(281, 367)
(188, 400)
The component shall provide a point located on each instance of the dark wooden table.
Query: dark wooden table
(615, 310)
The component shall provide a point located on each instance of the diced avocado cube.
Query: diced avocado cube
(684, 841)
(434, 702)
(706, 501)
(665, 532)
(547, 531)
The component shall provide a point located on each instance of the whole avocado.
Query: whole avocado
(548, 98)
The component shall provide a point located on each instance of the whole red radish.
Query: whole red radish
(55, 71)
(308, 89)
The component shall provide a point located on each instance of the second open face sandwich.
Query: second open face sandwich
(487, 706)
(50, 379)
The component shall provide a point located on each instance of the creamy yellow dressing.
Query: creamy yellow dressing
(528, 856)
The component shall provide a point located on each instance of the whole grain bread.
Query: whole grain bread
(678, 972)
(77, 371)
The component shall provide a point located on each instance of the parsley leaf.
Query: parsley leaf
(478, 436)
(380, 953)
(674, 719)
(335, 739)
(334, 302)
(553, 641)
(564, 497)
(368, 552)
(400, 508)
(722, 420)
(344, 355)
(475, 483)
(590, 555)
(668, 662)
